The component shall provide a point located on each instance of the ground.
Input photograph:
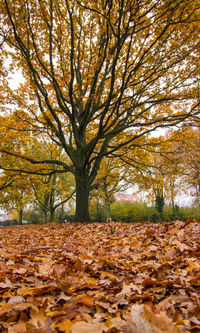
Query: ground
(109, 277)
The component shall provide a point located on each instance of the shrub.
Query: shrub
(133, 212)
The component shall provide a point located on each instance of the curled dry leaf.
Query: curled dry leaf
(143, 319)
(83, 327)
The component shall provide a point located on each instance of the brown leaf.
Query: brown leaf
(85, 299)
(20, 327)
(195, 281)
(20, 270)
(64, 326)
(83, 327)
(15, 299)
(146, 321)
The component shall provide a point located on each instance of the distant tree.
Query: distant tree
(51, 193)
(42, 185)
(163, 171)
(189, 153)
(15, 196)
(111, 178)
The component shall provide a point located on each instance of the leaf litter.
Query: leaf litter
(100, 277)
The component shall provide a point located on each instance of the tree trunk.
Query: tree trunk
(108, 212)
(82, 196)
(160, 202)
(20, 216)
(52, 215)
(98, 211)
(173, 205)
(44, 207)
(44, 216)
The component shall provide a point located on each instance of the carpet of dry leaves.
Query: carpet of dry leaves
(110, 277)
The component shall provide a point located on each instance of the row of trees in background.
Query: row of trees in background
(44, 188)
(166, 166)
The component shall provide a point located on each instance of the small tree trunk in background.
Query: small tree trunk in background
(108, 212)
(173, 206)
(107, 199)
(20, 216)
(98, 211)
(44, 216)
(62, 211)
(160, 202)
(45, 207)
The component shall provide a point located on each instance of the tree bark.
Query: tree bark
(108, 212)
(44, 216)
(173, 205)
(52, 215)
(20, 216)
(160, 202)
(82, 196)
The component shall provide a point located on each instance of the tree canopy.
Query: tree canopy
(98, 75)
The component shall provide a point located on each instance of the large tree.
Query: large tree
(94, 70)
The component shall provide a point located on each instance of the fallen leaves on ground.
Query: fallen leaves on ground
(102, 278)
